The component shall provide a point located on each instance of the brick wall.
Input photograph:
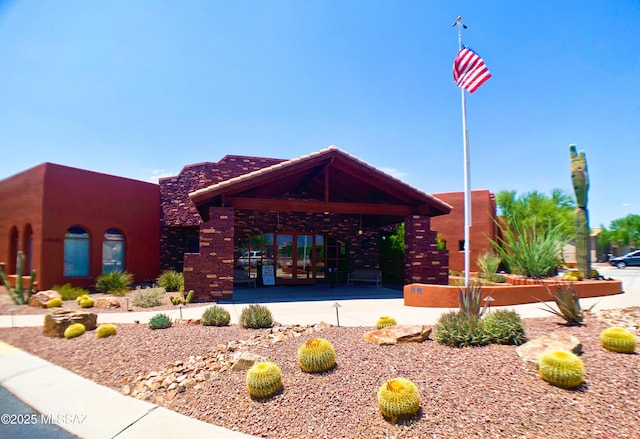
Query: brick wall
(423, 262)
(210, 272)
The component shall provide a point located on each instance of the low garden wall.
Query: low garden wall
(517, 292)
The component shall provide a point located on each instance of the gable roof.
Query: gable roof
(329, 180)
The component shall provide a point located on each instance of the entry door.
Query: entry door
(294, 258)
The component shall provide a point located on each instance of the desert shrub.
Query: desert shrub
(74, 330)
(69, 292)
(385, 321)
(398, 398)
(256, 317)
(148, 297)
(493, 277)
(106, 330)
(528, 249)
(263, 379)
(316, 355)
(160, 321)
(489, 261)
(458, 329)
(503, 327)
(215, 316)
(117, 283)
(171, 281)
(54, 303)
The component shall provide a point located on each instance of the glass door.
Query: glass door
(295, 258)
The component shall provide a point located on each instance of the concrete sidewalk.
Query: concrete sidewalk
(89, 410)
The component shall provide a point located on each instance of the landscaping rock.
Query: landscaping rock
(246, 360)
(40, 299)
(531, 351)
(57, 321)
(394, 334)
(107, 303)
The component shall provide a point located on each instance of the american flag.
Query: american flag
(469, 70)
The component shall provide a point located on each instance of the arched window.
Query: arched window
(112, 251)
(27, 247)
(13, 250)
(76, 252)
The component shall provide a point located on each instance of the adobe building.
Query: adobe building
(483, 226)
(313, 219)
(73, 225)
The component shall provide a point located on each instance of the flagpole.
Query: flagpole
(467, 171)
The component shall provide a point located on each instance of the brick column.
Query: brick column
(210, 273)
(423, 262)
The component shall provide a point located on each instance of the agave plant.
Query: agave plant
(567, 300)
(470, 298)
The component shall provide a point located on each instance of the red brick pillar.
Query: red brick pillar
(423, 262)
(210, 273)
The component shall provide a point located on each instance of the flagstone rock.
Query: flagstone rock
(107, 303)
(531, 351)
(57, 321)
(40, 299)
(394, 334)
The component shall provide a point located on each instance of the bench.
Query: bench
(363, 275)
(242, 277)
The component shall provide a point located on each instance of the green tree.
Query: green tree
(538, 210)
(622, 231)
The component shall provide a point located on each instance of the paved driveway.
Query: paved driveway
(629, 276)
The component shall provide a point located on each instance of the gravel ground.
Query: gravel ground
(483, 392)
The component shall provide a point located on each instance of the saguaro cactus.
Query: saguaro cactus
(580, 179)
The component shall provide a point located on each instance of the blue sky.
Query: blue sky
(141, 88)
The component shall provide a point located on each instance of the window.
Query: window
(76, 252)
(461, 245)
(112, 251)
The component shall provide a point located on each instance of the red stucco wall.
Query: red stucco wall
(451, 227)
(54, 197)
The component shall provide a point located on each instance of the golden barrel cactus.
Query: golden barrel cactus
(316, 355)
(385, 321)
(561, 368)
(106, 330)
(264, 379)
(398, 398)
(74, 330)
(617, 339)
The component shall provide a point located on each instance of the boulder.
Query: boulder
(531, 351)
(245, 360)
(40, 299)
(107, 303)
(398, 333)
(57, 321)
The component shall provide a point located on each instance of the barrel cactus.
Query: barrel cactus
(264, 379)
(106, 330)
(74, 330)
(561, 368)
(85, 301)
(316, 355)
(617, 339)
(56, 302)
(398, 398)
(385, 321)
